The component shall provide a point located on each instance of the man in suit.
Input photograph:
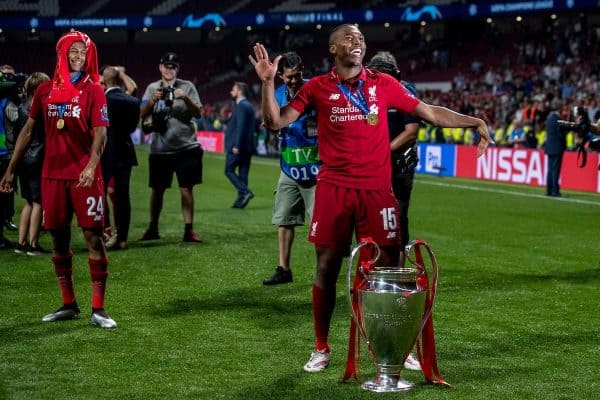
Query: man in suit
(239, 144)
(555, 146)
(119, 156)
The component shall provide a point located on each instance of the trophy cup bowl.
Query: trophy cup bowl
(391, 309)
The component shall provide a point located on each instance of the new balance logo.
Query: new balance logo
(391, 235)
(334, 96)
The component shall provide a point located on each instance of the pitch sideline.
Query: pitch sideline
(275, 162)
(509, 192)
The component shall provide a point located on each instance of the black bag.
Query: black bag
(404, 162)
(159, 120)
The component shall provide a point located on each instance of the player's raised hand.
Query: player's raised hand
(485, 138)
(265, 69)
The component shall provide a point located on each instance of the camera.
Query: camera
(582, 128)
(168, 95)
(157, 122)
(11, 85)
(579, 122)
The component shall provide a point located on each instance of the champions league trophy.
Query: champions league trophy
(390, 307)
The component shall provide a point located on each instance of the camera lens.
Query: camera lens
(169, 95)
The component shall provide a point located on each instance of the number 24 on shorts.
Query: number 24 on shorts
(95, 207)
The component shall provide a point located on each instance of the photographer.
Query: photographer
(9, 114)
(172, 104)
(587, 130)
(579, 122)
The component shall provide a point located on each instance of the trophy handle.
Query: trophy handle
(425, 341)
(349, 287)
(431, 287)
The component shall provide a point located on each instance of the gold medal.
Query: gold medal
(372, 119)
(60, 123)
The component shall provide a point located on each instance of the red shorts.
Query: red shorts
(61, 197)
(338, 211)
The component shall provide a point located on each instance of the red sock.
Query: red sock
(63, 267)
(98, 273)
(323, 305)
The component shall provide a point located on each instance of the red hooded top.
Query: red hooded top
(62, 88)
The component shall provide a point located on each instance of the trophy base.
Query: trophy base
(384, 383)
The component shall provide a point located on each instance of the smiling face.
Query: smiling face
(348, 46)
(76, 56)
(168, 71)
(292, 77)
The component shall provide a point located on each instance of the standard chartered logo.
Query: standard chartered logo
(345, 114)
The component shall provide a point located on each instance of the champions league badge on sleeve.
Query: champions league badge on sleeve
(104, 113)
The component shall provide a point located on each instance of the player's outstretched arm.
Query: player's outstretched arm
(446, 118)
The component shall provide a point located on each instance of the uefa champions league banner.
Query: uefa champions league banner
(436, 159)
(526, 166)
(410, 14)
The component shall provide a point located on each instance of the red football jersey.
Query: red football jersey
(354, 152)
(67, 150)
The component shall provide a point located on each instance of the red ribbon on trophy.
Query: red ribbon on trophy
(353, 357)
(425, 341)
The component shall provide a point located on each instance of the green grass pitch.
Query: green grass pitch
(516, 315)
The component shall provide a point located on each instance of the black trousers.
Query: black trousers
(402, 185)
(553, 174)
(122, 201)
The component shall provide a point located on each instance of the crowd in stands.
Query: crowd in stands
(513, 90)
(508, 79)
(515, 94)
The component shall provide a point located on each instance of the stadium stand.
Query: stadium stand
(104, 8)
(492, 69)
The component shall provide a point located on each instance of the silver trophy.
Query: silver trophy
(390, 311)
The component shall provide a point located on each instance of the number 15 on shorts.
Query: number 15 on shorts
(389, 218)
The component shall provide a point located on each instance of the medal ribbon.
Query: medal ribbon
(62, 107)
(357, 99)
